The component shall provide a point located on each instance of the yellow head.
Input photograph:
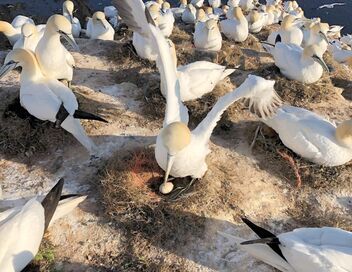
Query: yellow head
(209, 10)
(201, 16)
(295, 4)
(288, 21)
(175, 137)
(98, 16)
(68, 6)
(211, 24)
(166, 6)
(160, 2)
(183, 2)
(6, 28)
(237, 13)
(28, 30)
(344, 133)
(254, 16)
(59, 23)
(154, 8)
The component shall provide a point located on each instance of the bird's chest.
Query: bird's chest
(189, 162)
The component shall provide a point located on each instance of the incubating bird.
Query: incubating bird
(304, 249)
(288, 32)
(13, 31)
(166, 20)
(208, 37)
(316, 36)
(312, 136)
(196, 79)
(214, 3)
(179, 151)
(296, 63)
(237, 28)
(53, 58)
(67, 11)
(47, 98)
(340, 55)
(189, 14)
(100, 28)
(22, 229)
(30, 37)
(256, 21)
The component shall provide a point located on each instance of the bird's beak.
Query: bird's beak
(6, 68)
(170, 162)
(104, 24)
(324, 36)
(321, 62)
(71, 18)
(69, 38)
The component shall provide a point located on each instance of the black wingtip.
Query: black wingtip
(51, 201)
(272, 241)
(277, 39)
(88, 116)
(69, 196)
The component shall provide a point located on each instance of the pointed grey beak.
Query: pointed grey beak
(69, 38)
(170, 162)
(321, 62)
(71, 18)
(103, 23)
(324, 37)
(6, 68)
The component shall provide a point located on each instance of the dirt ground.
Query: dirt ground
(125, 225)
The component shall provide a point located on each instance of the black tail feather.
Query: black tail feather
(88, 116)
(263, 234)
(277, 39)
(51, 201)
(69, 196)
(269, 241)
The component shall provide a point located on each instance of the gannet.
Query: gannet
(270, 17)
(210, 13)
(53, 58)
(214, 3)
(196, 79)
(67, 11)
(13, 31)
(29, 37)
(339, 54)
(101, 28)
(288, 32)
(246, 5)
(46, 98)
(208, 37)
(318, 38)
(335, 31)
(330, 6)
(22, 228)
(178, 11)
(201, 18)
(112, 15)
(296, 63)
(197, 3)
(189, 14)
(237, 28)
(179, 151)
(312, 136)
(304, 249)
(256, 21)
(166, 20)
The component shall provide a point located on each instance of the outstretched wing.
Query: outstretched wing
(137, 17)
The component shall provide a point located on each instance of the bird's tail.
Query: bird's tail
(227, 72)
(260, 251)
(66, 205)
(51, 201)
(79, 114)
(75, 128)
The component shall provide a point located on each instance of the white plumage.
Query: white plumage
(100, 28)
(236, 28)
(207, 36)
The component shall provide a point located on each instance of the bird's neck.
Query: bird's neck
(31, 70)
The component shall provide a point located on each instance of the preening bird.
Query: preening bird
(22, 228)
(296, 63)
(316, 36)
(312, 136)
(53, 58)
(13, 31)
(256, 21)
(304, 249)
(30, 37)
(196, 79)
(46, 98)
(67, 11)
